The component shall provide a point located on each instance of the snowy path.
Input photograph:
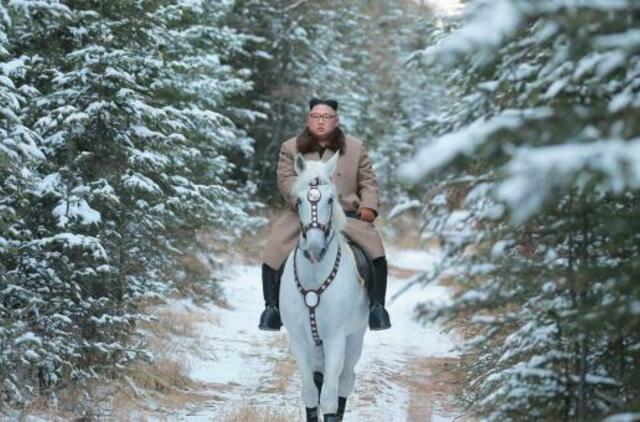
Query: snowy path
(402, 375)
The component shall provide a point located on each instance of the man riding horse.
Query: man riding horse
(357, 189)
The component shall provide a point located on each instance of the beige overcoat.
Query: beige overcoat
(356, 186)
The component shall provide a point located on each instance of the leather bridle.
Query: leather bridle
(314, 195)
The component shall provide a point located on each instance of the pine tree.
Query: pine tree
(300, 50)
(536, 204)
(126, 104)
(19, 155)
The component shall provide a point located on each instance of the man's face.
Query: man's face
(322, 120)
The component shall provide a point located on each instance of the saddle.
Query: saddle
(363, 263)
(363, 260)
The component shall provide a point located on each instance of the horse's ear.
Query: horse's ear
(330, 165)
(299, 164)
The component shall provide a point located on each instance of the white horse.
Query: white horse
(323, 307)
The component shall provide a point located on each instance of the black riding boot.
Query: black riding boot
(270, 318)
(378, 315)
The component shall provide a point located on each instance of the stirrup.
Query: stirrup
(379, 318)
(270, 319)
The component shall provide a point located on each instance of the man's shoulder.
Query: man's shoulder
(354, 146)
(290, 143)
(352, 140)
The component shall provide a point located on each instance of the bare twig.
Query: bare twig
(293, 5)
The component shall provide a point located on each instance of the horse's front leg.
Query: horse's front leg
(334, 348)
(303, 355)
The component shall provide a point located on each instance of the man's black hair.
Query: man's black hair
(331, 103)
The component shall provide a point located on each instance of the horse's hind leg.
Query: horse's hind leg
(353, 351)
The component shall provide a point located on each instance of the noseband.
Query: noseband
(314, 195)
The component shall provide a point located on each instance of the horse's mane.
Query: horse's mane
(315, 169)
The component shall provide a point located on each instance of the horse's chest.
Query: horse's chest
(334, 312)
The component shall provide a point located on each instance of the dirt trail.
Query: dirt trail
(238, 372)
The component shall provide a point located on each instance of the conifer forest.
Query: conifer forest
(138, 148)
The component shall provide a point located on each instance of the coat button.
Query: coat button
(338, 174)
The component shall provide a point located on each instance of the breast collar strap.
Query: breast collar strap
(312, 296)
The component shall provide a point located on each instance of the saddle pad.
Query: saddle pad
(363, 263)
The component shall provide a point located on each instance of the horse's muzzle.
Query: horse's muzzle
(310, 257)
(313, 257)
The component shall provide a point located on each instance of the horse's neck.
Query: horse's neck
(312, 275)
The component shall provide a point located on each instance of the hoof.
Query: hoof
(379, 318)
(342, 404)
(312, 414)
(270, 319)
(330, 417)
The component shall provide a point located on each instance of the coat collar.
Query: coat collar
(306, 143)
(315, 155)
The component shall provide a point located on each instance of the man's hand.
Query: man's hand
(366, 214)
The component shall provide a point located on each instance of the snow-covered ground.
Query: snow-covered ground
(400, 377)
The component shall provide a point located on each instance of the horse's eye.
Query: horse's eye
(330, 200)
(299, 201)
